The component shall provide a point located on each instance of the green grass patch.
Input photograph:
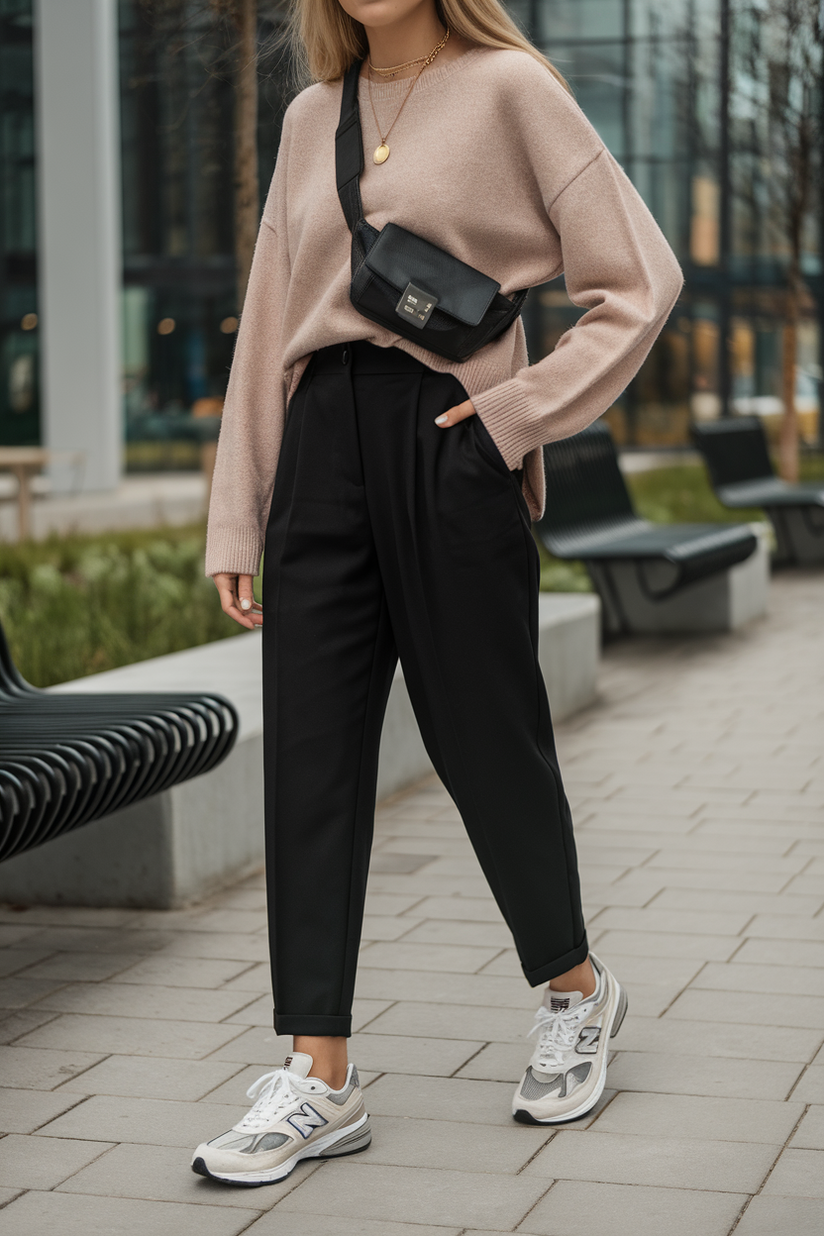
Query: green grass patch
(559, 576)
(812, 467)
(682, 495)
(76, 605)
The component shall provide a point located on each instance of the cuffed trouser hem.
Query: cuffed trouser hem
(288, 1023)
(553, 968)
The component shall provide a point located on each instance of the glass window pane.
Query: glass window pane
(595, 72)
(19, 327)
(579, 19)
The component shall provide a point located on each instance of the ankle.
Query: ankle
(329, 1057)
(580, 978)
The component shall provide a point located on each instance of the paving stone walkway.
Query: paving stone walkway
(698, 788)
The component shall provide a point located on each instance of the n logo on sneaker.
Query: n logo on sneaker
(587, 1044)
(306, 1120)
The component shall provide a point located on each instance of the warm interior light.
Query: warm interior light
(229, 326)
(28, 321)
(165, 326)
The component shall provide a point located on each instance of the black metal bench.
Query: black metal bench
(634, 565)
(66, 760)
(742, 475)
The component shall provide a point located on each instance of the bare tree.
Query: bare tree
(792, 46)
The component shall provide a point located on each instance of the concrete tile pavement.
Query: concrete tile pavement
(698, 784)
(578, 1208)
(810, 1132)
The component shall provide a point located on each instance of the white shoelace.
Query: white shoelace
(271, 1092)
(558, 1031)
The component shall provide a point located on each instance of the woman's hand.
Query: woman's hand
(453, 415)
(238, 601)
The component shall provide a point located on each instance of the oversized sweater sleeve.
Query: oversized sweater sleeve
(621, 270)
(255, 405)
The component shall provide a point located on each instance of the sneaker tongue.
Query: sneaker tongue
(559, 1001)
(299, 1063)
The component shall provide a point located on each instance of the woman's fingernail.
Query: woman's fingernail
(245, 603)
(441, 420)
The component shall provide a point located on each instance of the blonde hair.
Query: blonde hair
(324, 39)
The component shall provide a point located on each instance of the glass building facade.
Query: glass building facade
(19, 396)
(179, 300)
(679, 92)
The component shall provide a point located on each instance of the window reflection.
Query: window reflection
(179, 303)
(649, 77)
(19, 338)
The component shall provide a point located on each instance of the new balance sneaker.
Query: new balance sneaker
(566, 1075)
(294, 1117)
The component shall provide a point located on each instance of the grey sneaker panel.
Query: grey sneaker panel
(534, 1089)
(339, 1097)
(563, 1083)
(269, 1141)
(577, 1076)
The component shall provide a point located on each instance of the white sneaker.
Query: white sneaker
(294, 1117)
(568, 1070)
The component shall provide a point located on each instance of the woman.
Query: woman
(394, 502)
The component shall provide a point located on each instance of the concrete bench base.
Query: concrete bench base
(179, 846)
(722, 602)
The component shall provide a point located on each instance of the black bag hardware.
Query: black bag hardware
(404, 282)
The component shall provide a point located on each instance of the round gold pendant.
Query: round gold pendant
(381, 153)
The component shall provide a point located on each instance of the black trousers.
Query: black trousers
(388, 537)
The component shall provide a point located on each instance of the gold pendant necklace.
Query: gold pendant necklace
(381, 152)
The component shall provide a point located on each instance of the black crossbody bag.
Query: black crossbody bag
(404, 282)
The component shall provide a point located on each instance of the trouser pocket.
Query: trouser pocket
(486, 444)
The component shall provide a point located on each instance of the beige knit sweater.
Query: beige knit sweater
(494, 161)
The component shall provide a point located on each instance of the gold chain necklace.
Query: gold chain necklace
(396, 68)
(381, 153)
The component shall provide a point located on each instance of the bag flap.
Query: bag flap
(400, 257)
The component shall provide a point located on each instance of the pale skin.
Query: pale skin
(397, 31)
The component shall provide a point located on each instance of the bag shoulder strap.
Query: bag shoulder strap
(349, 148)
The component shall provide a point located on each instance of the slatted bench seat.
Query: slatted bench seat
(650, 577)
(66, 760)
(742, 475)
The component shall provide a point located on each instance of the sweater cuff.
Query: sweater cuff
(233, 551)
(506, 411)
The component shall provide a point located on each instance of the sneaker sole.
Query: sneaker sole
(351, 1140)
(525, 1117)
